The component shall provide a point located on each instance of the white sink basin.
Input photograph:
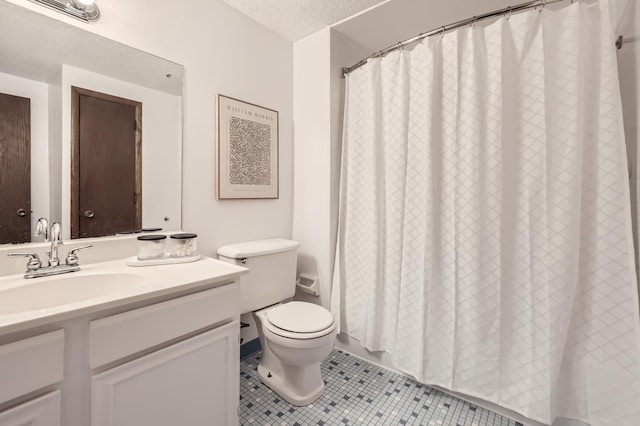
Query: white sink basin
(50, 292)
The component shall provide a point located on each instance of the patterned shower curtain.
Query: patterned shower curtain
(485, 228)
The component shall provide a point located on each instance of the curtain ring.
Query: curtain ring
(473, 24)
(444, 28)
(544, 4)
(400, 46)
(509, 15)
(421, 38)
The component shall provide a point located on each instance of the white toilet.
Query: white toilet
(295, 336)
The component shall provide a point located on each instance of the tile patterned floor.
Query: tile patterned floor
(359, 393)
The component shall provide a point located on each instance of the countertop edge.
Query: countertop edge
(13, 323)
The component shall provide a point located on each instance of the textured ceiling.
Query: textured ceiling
(295, 19)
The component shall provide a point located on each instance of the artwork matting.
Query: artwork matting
(247, 150)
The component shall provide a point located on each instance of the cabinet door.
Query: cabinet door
(43, 411)
(194, 382)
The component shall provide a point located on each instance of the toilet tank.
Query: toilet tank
(272, 271)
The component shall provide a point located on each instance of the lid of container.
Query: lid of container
(183, 236)
(133, 231)
(153, 237)
(300, 317)
(150, 229)
(257, 248)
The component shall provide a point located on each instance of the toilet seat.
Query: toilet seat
(299, 320)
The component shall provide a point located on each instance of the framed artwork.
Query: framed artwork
(247, 150)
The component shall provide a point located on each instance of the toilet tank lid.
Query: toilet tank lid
(257, 248)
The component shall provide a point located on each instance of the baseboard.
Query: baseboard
(250, 348)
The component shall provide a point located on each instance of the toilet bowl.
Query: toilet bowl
(295, 337)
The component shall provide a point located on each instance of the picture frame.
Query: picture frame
(247, 151)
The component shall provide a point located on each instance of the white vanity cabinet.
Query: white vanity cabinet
(162, 349)
(193, 381)
(27, 367)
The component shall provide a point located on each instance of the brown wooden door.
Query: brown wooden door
(15, 169)
(106, 175)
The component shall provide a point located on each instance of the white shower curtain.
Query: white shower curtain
(485, 229)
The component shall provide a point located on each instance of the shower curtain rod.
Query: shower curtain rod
(441, 30)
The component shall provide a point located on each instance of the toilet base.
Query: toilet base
(278, 383)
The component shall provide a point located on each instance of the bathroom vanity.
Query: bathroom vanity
(117, 345)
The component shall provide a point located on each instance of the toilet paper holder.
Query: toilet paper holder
(308, 283)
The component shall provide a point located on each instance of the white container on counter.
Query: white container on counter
(151, 246)
(183, 245)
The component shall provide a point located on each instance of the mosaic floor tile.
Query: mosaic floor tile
(359, 393)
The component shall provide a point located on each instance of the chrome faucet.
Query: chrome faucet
(56, 241)
(34, 266)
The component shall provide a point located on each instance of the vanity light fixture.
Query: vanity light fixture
(84, 10)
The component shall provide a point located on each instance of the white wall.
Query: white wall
(318, 110)
(223, 52)
(161, 148)
(37, 92)
(312, 131)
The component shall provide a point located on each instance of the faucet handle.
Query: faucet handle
(72, 256)
(34, 260)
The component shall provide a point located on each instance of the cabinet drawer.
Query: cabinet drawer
(115, 337)
(31, 364)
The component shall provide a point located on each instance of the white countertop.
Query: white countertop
(157, 281)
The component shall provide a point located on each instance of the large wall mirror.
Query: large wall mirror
(64, 96)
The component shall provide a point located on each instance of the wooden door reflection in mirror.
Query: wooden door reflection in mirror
(15, 169)
(106, 165)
